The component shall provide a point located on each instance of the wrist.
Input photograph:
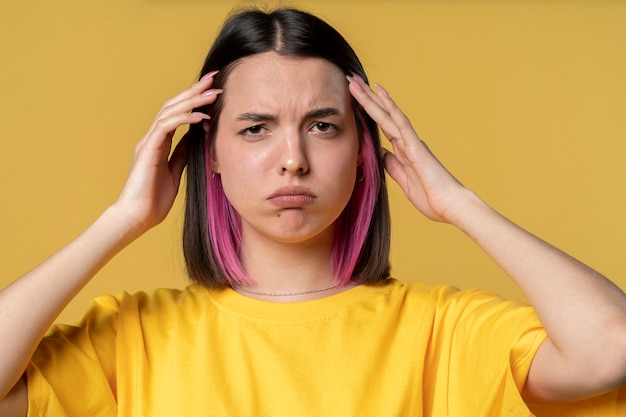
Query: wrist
(467, 211)
(120, 225)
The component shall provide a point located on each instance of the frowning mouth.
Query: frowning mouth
(292, 197)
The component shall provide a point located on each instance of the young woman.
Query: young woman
(287, 237)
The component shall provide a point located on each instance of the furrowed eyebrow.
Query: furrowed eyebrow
(265, 117)
(324, 112)
(256, 117)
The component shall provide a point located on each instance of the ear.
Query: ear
(214, 166)
(359, 158)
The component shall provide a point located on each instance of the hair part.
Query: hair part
(212, 230)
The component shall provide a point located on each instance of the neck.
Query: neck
(302, 270)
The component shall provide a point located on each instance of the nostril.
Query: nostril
(294, 166)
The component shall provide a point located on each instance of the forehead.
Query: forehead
(275, 82)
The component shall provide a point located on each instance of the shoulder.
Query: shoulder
(440, 296)
(451, 297)
(161, 299)
(449, 304)
(157, 302)
(155, 312)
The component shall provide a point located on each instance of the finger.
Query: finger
(168, 125)
(197, 88)
(167, 117)
(367, 89)
(189, 103)
(411, 148)
(163, 130)
(394, 167)
(178, 160)
(400, 120)
(200, 91)
(374, 107)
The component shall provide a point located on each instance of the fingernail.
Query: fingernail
(382, 90)
(208, 75)
(359, 79)
(213, 91)
(353, 82)
(201, 115)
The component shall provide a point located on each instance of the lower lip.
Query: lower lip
(292, 201)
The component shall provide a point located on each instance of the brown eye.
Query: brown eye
(252, 130)
(324, 128)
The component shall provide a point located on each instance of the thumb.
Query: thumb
(178, 160)
(394, 167)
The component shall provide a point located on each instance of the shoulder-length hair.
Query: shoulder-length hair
(212, 229)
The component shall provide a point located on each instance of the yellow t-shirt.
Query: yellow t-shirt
(388, 350)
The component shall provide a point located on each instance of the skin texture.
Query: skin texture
(287, 122)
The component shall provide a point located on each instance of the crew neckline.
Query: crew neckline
(298, 310)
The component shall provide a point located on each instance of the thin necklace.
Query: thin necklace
(286, 294)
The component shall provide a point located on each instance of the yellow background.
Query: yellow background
(525, 102)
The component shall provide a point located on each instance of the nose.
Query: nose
(293, 156)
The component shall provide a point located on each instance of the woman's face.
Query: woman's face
(286, 147)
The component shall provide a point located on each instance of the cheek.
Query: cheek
(240, 173)
(341, 169)
(238, 188)
(349, 178)
(237, 175)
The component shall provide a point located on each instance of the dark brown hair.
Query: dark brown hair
(296, 33)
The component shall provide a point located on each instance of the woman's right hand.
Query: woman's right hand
(153, 181)
(146, 199)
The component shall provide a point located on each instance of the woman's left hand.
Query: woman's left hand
(424, 180)
(580, 358)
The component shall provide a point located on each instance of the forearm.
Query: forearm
(30, 305)
(583, 313)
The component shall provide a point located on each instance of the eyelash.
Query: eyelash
(247, 130)
(330, 129)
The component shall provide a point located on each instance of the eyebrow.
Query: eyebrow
(323, 112)
(265, 117)
(255, 117)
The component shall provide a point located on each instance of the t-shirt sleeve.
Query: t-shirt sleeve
(490, 349)
(72, 372)
(493, 345)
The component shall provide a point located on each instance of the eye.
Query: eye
(324, 128)
(255, 130)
